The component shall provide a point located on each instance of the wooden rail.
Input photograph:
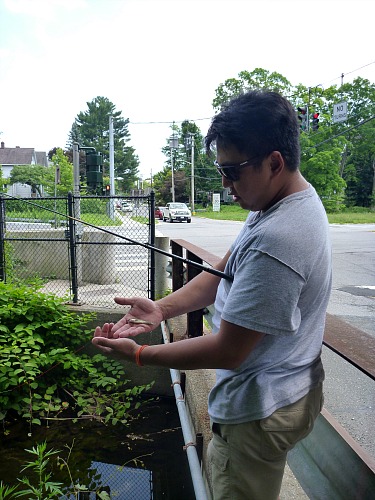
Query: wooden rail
(338, 335)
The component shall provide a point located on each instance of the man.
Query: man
(269, 320)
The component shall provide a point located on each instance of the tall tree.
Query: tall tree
(91, 129)
(325, 159)
(257, 79)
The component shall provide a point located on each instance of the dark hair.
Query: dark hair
(257, 123)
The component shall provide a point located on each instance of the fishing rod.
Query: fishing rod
(202, 267)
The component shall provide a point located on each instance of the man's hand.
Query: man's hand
(141, 309)
(118, 348)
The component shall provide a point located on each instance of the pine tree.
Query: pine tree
(91, 129)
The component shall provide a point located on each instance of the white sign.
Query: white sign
(340, 112)
(216, 202)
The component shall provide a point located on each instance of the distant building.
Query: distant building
(9, 157)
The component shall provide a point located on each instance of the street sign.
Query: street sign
(340, 112)
(216, 202)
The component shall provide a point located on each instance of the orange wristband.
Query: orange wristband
(138, 354)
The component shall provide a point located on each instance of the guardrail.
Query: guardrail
(329, 463)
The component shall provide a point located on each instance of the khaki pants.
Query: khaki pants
(248, 460)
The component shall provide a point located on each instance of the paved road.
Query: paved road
(353, 250)
(349, 395)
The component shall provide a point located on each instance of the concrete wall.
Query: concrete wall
(50, 258)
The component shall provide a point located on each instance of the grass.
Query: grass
(44, 216)
(356, 215)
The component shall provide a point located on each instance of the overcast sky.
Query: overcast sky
(160, 61)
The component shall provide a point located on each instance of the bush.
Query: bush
(44, 370)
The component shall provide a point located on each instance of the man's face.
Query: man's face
(254, 189)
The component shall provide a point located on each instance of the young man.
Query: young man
(269, 320)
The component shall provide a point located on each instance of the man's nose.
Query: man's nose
(225, 182)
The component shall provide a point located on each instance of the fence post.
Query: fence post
(2, 240)
(72, 248)
(152, 242)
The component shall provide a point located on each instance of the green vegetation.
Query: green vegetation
(350, 217)
(46, 371)
(90, 129)
(93, 211)
(41, 485)
(100, 220)
(355, 215)
(141, 219)
(336, 158)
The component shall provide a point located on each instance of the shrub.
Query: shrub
(44, 370)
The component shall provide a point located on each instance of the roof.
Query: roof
(41, 158)
(22, 156)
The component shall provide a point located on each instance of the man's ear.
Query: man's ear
(276, 162)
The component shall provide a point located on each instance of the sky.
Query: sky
(160, 61)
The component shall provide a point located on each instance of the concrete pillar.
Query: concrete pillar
(161, 262)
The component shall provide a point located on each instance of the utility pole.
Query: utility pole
(173, 144)
(192, 175)
(111, 158)
(111, 170)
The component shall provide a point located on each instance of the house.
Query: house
(9, 157)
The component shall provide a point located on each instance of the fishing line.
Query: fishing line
(202, 267)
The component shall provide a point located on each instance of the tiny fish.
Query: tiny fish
(137, 321)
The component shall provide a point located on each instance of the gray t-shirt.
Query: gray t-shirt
(281, 265)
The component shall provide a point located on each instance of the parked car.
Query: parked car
(126, 207)
(176, 212)
(159, 213)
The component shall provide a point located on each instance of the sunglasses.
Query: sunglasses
(232, 172)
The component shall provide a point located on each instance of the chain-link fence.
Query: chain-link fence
(87, 249)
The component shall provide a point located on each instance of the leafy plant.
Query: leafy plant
(6, 491)
(45, 371)
(40, 486)
(45, 488)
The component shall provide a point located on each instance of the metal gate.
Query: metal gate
(86, 249)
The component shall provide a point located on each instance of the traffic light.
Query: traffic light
(94, 175)
(315, 121)
(302, 116)
(107, 189)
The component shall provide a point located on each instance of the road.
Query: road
(349, 395)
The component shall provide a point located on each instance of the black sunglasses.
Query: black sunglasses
(232, 172)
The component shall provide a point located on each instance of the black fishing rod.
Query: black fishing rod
(202, 267)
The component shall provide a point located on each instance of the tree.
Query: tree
(358, 167)
(62, 165)
(206, 178)
(324, 158)
(257, 79)
(32, 175)
(91, 129)
(3, 180)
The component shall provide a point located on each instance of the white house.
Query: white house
(9, 157)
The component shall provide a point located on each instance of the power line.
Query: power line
(210, 117)
(350, 72)
(170, 122)
(342, 133)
